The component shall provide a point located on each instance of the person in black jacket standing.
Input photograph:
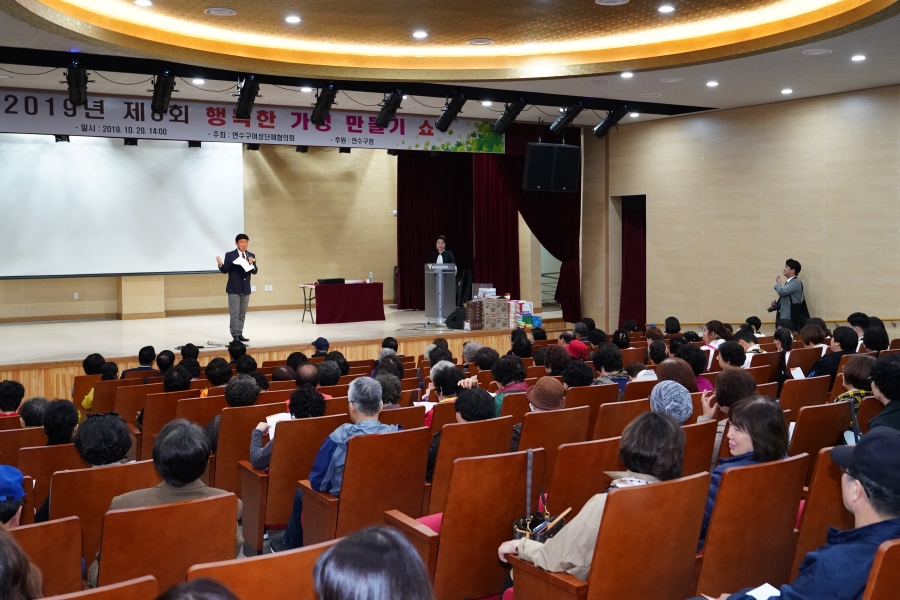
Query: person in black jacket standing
(238, 287)
(441, 254)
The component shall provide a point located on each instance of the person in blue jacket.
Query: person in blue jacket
(870, 486)
(757, 434)
(365, 405)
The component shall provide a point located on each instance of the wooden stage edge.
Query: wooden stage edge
(54, 379)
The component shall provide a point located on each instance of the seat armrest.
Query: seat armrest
(254, 494)
(320, 514)
(426, 499)
(533, 583)
(423, 538)
(135, 435)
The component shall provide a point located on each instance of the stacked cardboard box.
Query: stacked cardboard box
(496, 313)
(475, 314)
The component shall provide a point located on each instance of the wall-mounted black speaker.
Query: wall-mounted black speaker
(551, 167)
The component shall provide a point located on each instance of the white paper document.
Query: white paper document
(428, 405)
(764, 592)
(242, 262)
(797, 373)
(273, 420)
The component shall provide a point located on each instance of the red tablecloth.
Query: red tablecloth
(349, 303)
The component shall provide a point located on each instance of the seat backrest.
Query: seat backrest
(105, 394)
(638, 390)
(293, 453)
(769, 390)
(441, 414)
(759, 374)
(796, 393)
(368, 363)
(408, 417)
(407, 397)
(41, 462)
(551, 429)
(824, 508)
(130, 399)
(484, 378)
(142, 588)
(804, 358)
(750, 540)
(614, 416)
(868, 410)
(81, 386)
(194, 532)
(87, 494)
(286, 575)
(281, 386)
(54, 548)
(462, 440)
(346, 379)
(592, 396)
(630, 355)
(537, 371)
(383, 472)
(818, 427)
(335, 390)
(142, 374)
(571, 487)
(766, 359)
(661, 521)
(884, 578)
(14, 439)
(336, 406)
(410, 383)
(271, 396)
(274, 363)
(159, 409)
(10, 422)
(837, 388)
(515, 405)
(700, 440)
(486, 495)
(846, 358)
(234, 441)
(200, 410)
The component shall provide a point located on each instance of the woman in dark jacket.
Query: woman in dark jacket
(441, 254)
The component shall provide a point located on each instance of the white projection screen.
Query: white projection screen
(94, 206)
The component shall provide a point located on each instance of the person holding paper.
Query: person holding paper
(239, 265)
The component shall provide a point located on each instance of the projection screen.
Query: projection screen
(94, 206)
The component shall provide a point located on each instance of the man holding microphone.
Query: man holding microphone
(239, 265)
(789, 293)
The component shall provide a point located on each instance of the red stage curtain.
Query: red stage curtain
(496, 228)
(434, 197)
(633, 299)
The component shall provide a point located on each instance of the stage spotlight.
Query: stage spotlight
(612, 118)
(303, 149)
(393, 152)
(131, 141)
(61, 138)
(324, 100)
(509, 116)
(452, 108)
(193, 144)
(254, 147)
(389, 108)
(247, 94)
(567, 117)
(76, 80)
(344, 150)
(163, 86)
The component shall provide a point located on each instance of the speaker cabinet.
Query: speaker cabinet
(552, 167)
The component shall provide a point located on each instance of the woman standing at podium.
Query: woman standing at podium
(441, 255)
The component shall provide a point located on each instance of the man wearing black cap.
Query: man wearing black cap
(321, 346)
(870, 486)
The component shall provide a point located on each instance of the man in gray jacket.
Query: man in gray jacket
(791, 291)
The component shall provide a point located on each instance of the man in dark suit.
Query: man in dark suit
(238, 288)
(146, 356)
(843, 341)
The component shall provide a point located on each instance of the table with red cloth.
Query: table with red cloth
(348, 302)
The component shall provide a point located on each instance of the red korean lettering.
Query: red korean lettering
(426, 129)
(302, 119)
(215, 116)
(265, 119)
(398, 124)
(354, 124)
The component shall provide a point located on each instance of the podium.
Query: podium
(440, 292)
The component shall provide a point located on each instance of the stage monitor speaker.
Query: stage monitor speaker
(551, 167)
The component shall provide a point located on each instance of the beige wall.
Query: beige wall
(320, 214)
(732, 194)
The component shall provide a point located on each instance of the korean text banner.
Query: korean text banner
(126, 117)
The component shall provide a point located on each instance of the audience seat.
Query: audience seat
(570, 487)
(884, 578)
(442, 414)
(368, 363)
(268, 495)
(527, 362)
(334, 391)
(766, 359)
(515, 405)
(142, 374)
(274, 363)
(409, 417)
(484, 378)
(483, 500)
(868, 410)
(410, 383)
(348, 378)
(408, 397)
(750, 539)
(531, 381)
(768, 389)
(535, 372)
(336, 406)
(759, 374)
(81, 386)
(700, 440)
(273, 396)
(87, 494)
(796, 393)
(612, 418)
(464, 440)
(630, 355)
(804, 358)
(41, 462)
(824, 508)
(817, 427)
(173, 537)
(159, 409)
(655, 524)
(28, 508)
(372, 484)
(710, 376)
(234, 443)
(592, 396)
(142, 588)
(838, 388)
(846, 358)
(200, 410)
(638, 390)
(131, 399)
(287, 575)
(549, 430)
(54, 548)
(11, 441)
(280, 386)
(10, 423)
(105, 394)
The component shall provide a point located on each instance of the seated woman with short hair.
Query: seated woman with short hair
(652, 449)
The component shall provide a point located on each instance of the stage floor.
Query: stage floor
(73, 340)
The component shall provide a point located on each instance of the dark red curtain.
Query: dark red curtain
(434, 197)
(496, 240)
(633, 298)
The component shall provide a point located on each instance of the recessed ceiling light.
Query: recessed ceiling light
(420, 35)
(786, 91)
(611, 2)
(405, 97)
(859, 58)
(627, 74)
(143, 3)
(816, 51)
(486, 103)
(481, 41)
(652, 95)
(634, 115)
(671, 80)
(292, 19)
(220, 12)
(712, 83)
(198, 81)
(666, 9)
(306, 89)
